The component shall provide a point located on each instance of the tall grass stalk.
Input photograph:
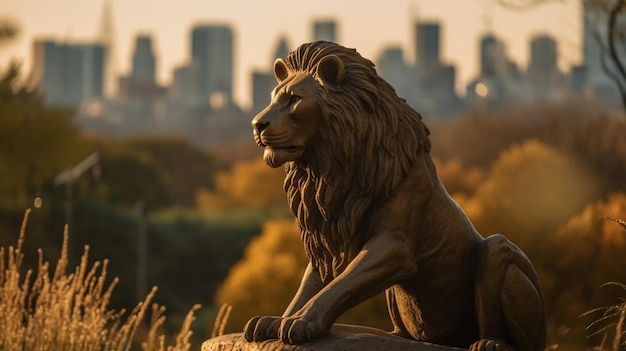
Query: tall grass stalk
(68, 312)
(613, 318)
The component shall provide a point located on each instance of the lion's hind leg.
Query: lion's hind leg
(509, 301)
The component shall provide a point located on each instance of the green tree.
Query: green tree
(36, 142)
(185, 167)
(128, 176)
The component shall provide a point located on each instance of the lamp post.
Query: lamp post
(67, 177)
(142, 250)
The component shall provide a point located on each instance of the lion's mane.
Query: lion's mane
(369, 140)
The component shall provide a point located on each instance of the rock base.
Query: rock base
(333, 342)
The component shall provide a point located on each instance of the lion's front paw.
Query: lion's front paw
(294, 330)
(262, 328)
(490, 345)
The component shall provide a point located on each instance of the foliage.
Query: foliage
(70, 311)
(528, 193)
(185, 167)
(611, 320)
(584, 253)
(267, 277)
(36, 142)
(584, 132)
(129, 178)
(460, 181)
(247, 184)
(189, 253)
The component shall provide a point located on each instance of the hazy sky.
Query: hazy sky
(367, 25)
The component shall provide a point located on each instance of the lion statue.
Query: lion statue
(375, 217)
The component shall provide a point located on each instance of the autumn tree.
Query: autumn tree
(586, 252)
(267, 277)
(250, 184)
(530, 190)
(264, 281)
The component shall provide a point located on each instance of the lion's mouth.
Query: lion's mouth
(290, 149)
(276, 156)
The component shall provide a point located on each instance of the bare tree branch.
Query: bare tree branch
(613, 15)
(522, 4)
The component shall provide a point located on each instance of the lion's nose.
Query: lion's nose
(260, 126)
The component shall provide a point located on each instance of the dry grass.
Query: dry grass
(612, 318)
(70, 311)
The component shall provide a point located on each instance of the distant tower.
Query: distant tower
(489, 52)
(595, 47)
(427, 43)
(392, 67)
(106, 36)
(542, 68)
(212, 50)
(144, 62)
(325, 30)
(282, 49)
(69, 74)
(263, 81)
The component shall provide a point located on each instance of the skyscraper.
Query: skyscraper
(263, 81)
(595, 55)
(144, 62)
(106, 37)
(69, 74)
(325, 30)
(212, 51)
(282, 49)
(427, 43)
(139, 89)
(542, 68)
(489, 55)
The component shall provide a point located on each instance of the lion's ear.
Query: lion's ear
(331, 70)
(281, 71)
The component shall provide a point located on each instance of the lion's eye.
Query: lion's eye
(294, 99)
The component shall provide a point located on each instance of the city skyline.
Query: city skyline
(394, 28)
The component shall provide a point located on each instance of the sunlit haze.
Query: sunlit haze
(367, 25)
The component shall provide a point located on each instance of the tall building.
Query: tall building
(69, 74)
(427, 43)
(106, 37)
(489, 55)
(542, 67)
(263, 81)
(499, 81)
(325, 30)
(494, 61)
(144, 62)
(594, 53)
(282, 49)
(212, 51)
(394, 69)
(185, 83)
(141, 81)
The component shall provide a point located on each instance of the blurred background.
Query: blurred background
(130, 121)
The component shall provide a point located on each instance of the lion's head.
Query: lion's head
(348, 141)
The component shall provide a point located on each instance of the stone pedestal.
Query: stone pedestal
(333, 342)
